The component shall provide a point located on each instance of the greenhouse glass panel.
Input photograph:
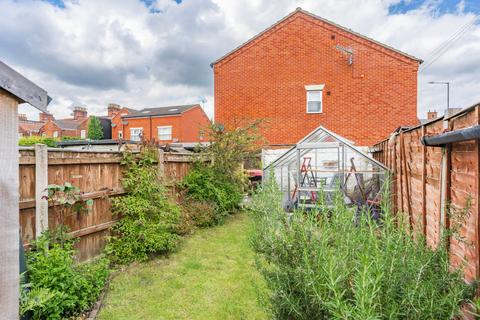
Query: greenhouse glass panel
(323, 163)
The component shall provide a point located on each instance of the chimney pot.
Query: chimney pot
(79, 113)
(45, 117)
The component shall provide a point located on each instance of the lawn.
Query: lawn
(212, 276)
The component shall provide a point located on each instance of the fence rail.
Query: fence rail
(432, 184)
(97, 174)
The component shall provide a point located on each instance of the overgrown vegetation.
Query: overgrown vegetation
(57, 286)
(150, 220)
(218, 177)
(95, 130)
(320, 265)
(32, 140)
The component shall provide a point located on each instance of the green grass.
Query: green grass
(212, 276)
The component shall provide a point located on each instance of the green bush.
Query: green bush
(70, 138)
(322, 266)
(32, 140)
(58, 287)
(95, 130)
(204, 183)
(149, 219)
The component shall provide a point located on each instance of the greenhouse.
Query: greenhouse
(322, 163)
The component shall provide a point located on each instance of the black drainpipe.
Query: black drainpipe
(460, 135)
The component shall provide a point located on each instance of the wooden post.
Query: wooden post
(9, 207)
(41, 183)
(424, 186)
(161, 163)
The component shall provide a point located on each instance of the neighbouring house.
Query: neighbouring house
(305, 71)
(27, 128)
(116, 113)
(71, 127)
(183, 123)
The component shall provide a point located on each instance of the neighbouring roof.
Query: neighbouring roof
(161, 111)
(300, 10)
(68, 124)
(30, 126)
(22, 88)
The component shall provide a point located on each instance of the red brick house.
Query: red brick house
(165, 125)
(306, 71)
(72, 127)
(116, 112)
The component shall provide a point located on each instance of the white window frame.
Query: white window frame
(132, 135)
(55, 134)
(315, 88)
(83, 134)
(120, 134)
(164, 127)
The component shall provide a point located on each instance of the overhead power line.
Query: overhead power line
(446, 45)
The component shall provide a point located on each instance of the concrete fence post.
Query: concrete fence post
(41, 184)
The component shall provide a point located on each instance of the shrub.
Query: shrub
(203, 183)
(95, 130)
(149, 219)
(196, 213)
(58, 287)
(32, 140)
(222, 181)
(70, 138)
(319, 265)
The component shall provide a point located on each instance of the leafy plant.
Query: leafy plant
(32, 140)
(204, 183)
(322, 265)
(66, 199)
(69, 138)
(59, 287)
(149, 219)
(95, 130)
(222, 181)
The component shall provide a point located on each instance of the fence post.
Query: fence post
(161, 163)
(41, 184)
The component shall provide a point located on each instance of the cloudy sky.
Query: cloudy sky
(154, 53)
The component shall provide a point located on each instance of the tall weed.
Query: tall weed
(323, 265)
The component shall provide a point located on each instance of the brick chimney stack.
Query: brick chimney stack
(113, 109)
(79, 113)
(431, 115)
(22, 117)
(45, 117)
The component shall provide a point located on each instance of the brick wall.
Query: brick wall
(266, 79)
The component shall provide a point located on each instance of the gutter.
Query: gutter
(470, 133)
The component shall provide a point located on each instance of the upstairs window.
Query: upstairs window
(314, 98)
(165, 133)
(136, 134)
(120, 134)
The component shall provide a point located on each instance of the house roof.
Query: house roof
(68, 124)
(161, 111)
(300, 10)
(30, 126)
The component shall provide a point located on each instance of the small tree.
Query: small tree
(95, 131)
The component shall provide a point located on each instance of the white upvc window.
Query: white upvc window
(120, 134)
(135, 134)
(83, 134)
(164, 133)
(55, 134)
(314, 98)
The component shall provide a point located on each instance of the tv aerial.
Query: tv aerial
(347, 51)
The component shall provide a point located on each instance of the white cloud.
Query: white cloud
(96, 52)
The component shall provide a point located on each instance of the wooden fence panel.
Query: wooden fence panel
(98, 175)
(427, 180)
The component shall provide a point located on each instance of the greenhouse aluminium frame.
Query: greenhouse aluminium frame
(323, 163)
